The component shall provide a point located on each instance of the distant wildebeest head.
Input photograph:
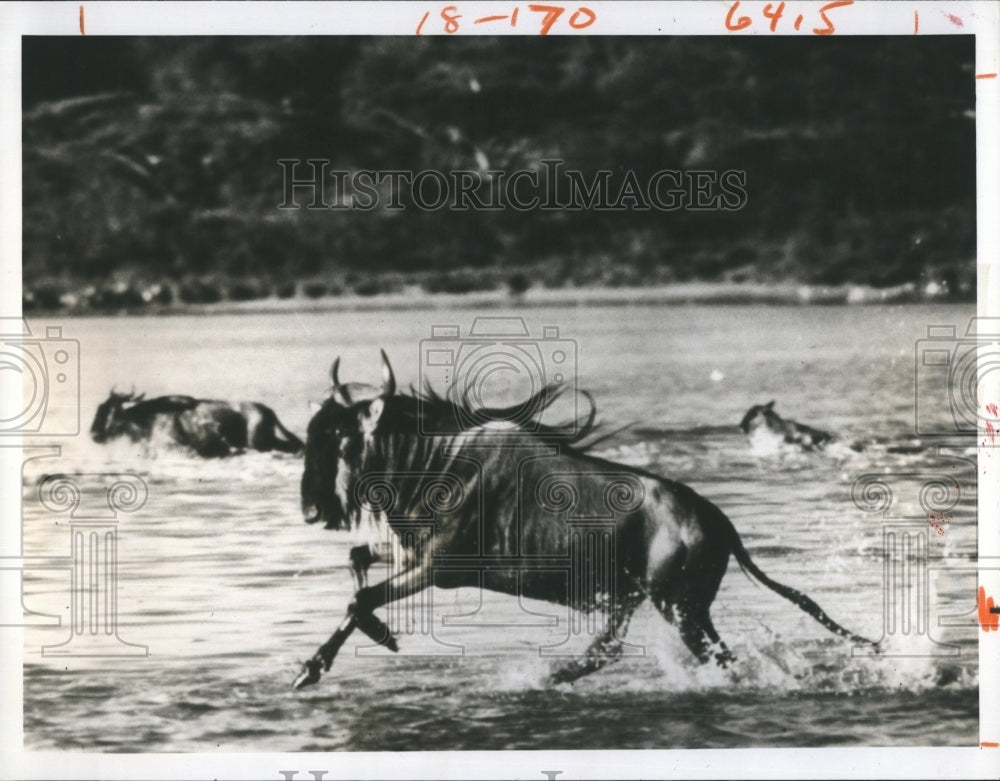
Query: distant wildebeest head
(109, 421)
(759, 415)
(762, 420)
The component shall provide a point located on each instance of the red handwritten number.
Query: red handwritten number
(582, 18)
(828, 30)
(988, 619)
(742, 23)
(577, 25)
(450, 19)
(774, 15)
(552, 14)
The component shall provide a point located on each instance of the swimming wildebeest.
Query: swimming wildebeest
(209, 428)
(516, 500)
(762, 421)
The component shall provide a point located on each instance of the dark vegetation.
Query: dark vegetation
(151, 174)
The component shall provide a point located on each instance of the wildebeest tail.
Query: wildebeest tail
(789, 593)
(290, 438)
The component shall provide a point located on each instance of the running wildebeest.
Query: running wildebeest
(762, 421)
(516, 499)
(209, 428)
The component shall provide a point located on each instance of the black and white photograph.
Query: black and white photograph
(510, 378)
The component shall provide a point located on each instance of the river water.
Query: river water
(228, 589)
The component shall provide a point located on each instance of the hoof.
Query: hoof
(310, 674)
(567, 674)
(947, 675)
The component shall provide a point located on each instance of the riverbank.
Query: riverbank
(412, 297)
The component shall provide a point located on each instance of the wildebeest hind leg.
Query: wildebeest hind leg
(606, 647)
(699, 635)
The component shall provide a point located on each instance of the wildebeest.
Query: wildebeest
(209, 428)
(525, 502)
(762, 421)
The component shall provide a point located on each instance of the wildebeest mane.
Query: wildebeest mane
(434, 412)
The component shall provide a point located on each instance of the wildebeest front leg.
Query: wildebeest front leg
(323, 658)
(360, 615)
(363, 556)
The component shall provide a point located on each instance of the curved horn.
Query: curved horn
(388, 378)
(337, 387)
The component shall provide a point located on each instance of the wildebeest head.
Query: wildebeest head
(759, 415)
(109, 422)
(335, 445)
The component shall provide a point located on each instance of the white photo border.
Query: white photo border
(981, 19)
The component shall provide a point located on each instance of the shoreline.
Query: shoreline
(415, 298)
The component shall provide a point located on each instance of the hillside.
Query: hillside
(151, 165)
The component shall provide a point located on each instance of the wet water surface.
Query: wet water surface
(227, 587)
